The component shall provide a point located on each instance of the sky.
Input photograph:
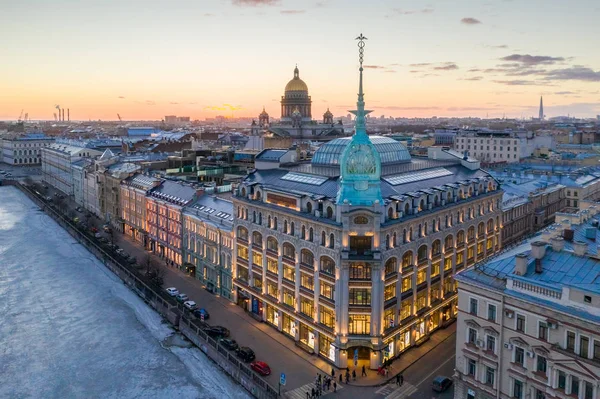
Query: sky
(145, 59)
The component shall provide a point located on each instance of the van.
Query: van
(441, 383)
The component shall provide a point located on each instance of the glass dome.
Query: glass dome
(390, 151)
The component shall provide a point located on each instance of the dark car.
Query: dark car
(261, 368)
(441, 383)
(217, 331)
(202, 312)
(229, 344)
(246, 354)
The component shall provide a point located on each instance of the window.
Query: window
(326, 316)
(491, 312)
(359, 296)
(520, 323)
(570, 341)
(562, 380)
(405, 309)
(422, 276)
(472, 338)
(543, 330)
(390, 266)
(306, 306)
(326, 290)
(588, 390)
(520, 356)
(574, 386)
(289, 273)
(587, 299)
(407, 285)
(472, 368)
(421, 300)
(307, 281)
(490, 344)
(289, 251)
(473, 306)
(490, 376)
(257, 258)
(596, 350)
(517, 389)
(435, 268)
(584, 346)
(542, 364)
(327, 265)
(307, 258)
(272, 265)
(407, 259)
(389, 292)
(359, 271)
(539, 394)
(359, 324)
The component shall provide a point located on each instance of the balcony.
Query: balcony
(361, 255)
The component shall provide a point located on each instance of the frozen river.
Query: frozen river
(69, 328)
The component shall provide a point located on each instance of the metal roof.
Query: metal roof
(390, 151)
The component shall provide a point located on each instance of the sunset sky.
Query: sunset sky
(146, 59)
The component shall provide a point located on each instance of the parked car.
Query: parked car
(229, 344)
(97, 235)
(246, 354)
(103, 240)
(191, 305)
(217, 331)
(441, 383)
(181, 298)
(48, 198)
(172, 291)
(131, 260)
(78, 209)
(261, 368)
(202, 312)
(106, 228)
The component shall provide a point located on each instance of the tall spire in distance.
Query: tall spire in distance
(541, 108)
(360, 112)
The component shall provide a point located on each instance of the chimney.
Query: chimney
(199, 192)
(558, 243)
(63, 115)
(521, 264)
(568, 235)
(538, 249)
(580, 248)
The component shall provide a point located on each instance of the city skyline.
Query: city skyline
(234, 57)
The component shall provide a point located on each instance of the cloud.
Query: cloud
(449, 66)
(500, 46)
(174, 103)
(255, 3)
(414, 71)
(150, 102)
(121, 97)
(474, 78)
(402, 108)
(224, 107)
(474, 70)
(564, 93)
(470, 21)
(193, 103)
(374, 66)
(421, 64)
(208, 15)
(292, 11)
(400, 11)
(389, 71)
(517, 82)
(576, 72)
(531, 60)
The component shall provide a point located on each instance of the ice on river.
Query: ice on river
(69, 328)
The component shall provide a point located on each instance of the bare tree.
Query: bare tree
(28, 181)
(153, 271)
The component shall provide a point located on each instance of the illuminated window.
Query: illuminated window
(389, 291)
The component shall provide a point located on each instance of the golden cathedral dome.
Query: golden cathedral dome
(296, 84)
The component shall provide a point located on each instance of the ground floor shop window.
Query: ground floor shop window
(326, 347)
(307, 335)
(289, 325)
(326, 316)
(434, 321)
(404, 341)
(420, 330)
(272, 315)
(359, 324)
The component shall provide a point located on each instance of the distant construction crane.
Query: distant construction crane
(20, 116)
(26, 117)
(119, 116)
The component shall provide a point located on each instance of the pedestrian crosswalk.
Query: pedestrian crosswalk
(393, 391)
(300, 393)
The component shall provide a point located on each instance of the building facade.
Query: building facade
(133, 206)
(208, 243)
(353, 254)
(528, 324)
(56, 164)
(24, 150)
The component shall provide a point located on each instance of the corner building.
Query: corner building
(353, 254)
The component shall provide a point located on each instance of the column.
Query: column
(297, 281)
(280, 272)
(376, 300)
(250, 273)
(317, 291)
(341, 300)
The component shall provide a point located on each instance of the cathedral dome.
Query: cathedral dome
(296, 84)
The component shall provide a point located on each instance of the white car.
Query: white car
(172, 291)
(191, 305)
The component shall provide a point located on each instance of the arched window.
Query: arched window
(387, 241)
(323, 238)
(449, 197)
(331, 240)
(269, 222)
(253, 216)
(436, 248)
(448, 242)
(307, 258)
(406, 209)
(272, 244)
(490, 225)
(481, 229)
(242, 233)
(422, 253)
(425, 230)
(420, 232)
(390, 213)
(460, 237)
(391, 266)
(394, 240)
(407, 259)
(329, 212)
(243, 191)
(421, 206)
(257, 239)
(310, 235)
(303, 232)
(327, 265)
(258, 195)
(289, 251)
(274, 223)
(410, 233)
(470, 191)
(309, 207)
(471, 233)
(292, 228)
(260, 218)
(285, 226)
(404, 236)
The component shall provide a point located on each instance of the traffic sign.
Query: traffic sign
(356, 357)
(201, 316)
(282, 379)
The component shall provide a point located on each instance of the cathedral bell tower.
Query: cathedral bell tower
(360, 182)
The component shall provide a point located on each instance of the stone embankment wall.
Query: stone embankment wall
(165, 305)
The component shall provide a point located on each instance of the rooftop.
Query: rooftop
(212, 209)
(174, 192)
(390, 151)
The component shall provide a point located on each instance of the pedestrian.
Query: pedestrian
(364, 371)
(347, 369)
(401, 379)
(354, 375)
(347, 377)
(335, 386)
(340, 378)
(398, 380)
(312, 392)
(307, 395)
(332, 373)
(386, 371)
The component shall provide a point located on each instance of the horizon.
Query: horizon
(465, 59)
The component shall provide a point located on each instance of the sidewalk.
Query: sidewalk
(405, 360)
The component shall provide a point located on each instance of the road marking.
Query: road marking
(435, 371)
(386, 389)
(300, 393)
(402, 392)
